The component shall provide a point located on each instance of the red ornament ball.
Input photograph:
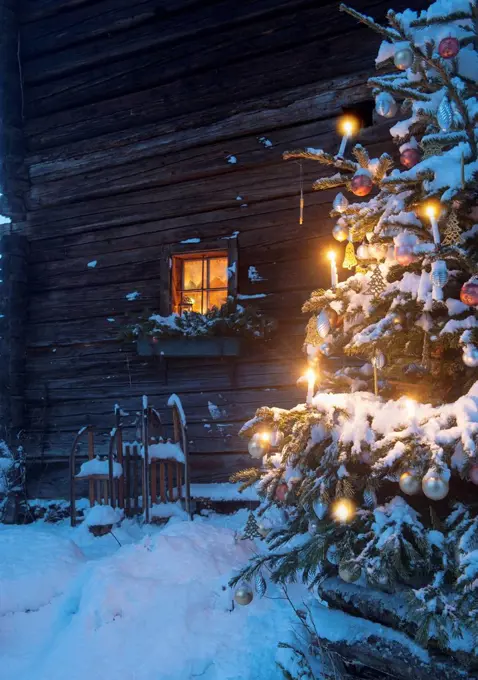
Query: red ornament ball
(361, 184)
(410, 157)
(469, 292)
(281, 492)
(404, 255)
(448, 48)
(473, 474)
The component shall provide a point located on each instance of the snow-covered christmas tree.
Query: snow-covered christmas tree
(377, 474)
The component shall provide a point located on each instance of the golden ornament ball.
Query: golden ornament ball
(349, 572)
(409, 483)
(243, 594)
(340, 232)
(435, 487)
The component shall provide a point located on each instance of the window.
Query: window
(199, 281)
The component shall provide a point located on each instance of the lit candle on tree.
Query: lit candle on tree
(432, 211)
(347, 126)
(310, 375)
(333, 269)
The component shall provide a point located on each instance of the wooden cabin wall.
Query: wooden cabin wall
(134, 111)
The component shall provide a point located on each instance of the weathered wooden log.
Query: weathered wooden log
(391, 610)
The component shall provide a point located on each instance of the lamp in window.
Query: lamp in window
(187, 304)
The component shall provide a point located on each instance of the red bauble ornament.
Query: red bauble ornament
(448, 48)
(410, 157)
(361, 184)
(281, 492)
(469, 292)
(404, 255)
(473, 474)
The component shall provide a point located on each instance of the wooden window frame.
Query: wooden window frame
(168, 272)
(177, 274)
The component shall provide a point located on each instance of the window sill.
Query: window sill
(189, 347)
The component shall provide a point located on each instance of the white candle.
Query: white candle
(432, 214)
(345, 138)
(333, 270)
(310, 386)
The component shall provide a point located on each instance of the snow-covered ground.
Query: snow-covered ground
(83, 608)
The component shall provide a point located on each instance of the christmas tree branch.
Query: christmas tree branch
(368, 21)
(323, 157)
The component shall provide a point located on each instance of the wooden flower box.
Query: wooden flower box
(189, 347)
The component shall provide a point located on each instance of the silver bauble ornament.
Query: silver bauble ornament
(409, 483)
(439, 273)
(340, 232)
(403, 58)
(435, 487)
(313, 527)
(325, 349)
(363, 252)
(385, 105)
(470, 356)
(243, 594)
(340, 203)
(445, 115)
(323, 324)
(257, 447)
(378, 360)
(349, 572)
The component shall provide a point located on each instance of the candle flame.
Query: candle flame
(310, 375)
(343, 510)
(410, 405)
(265, 436)
(331, 255)
(432, 209)
(348, 125)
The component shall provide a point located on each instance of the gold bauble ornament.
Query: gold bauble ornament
(349, 572)
(340, 232)
(243, 594)
(409, 483)
(435, 487)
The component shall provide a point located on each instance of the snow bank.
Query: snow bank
(167, 510)
(35, 567)
(165, 451)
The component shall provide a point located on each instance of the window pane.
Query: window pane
(216, 298)
(218, 272)
(192, 274)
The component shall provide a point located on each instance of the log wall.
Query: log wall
(134, 111)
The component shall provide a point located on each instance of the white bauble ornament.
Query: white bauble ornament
(363, 252)
(409, 483)
(340, 232)
(385, 105)
(243, 594)
(340, 203)
(323, 324)
(349, 572)
(257, 446)
(445, 115)
(435, 487)
(403, 58)
(470, 356)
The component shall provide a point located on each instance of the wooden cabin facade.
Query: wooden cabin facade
(134, 132)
